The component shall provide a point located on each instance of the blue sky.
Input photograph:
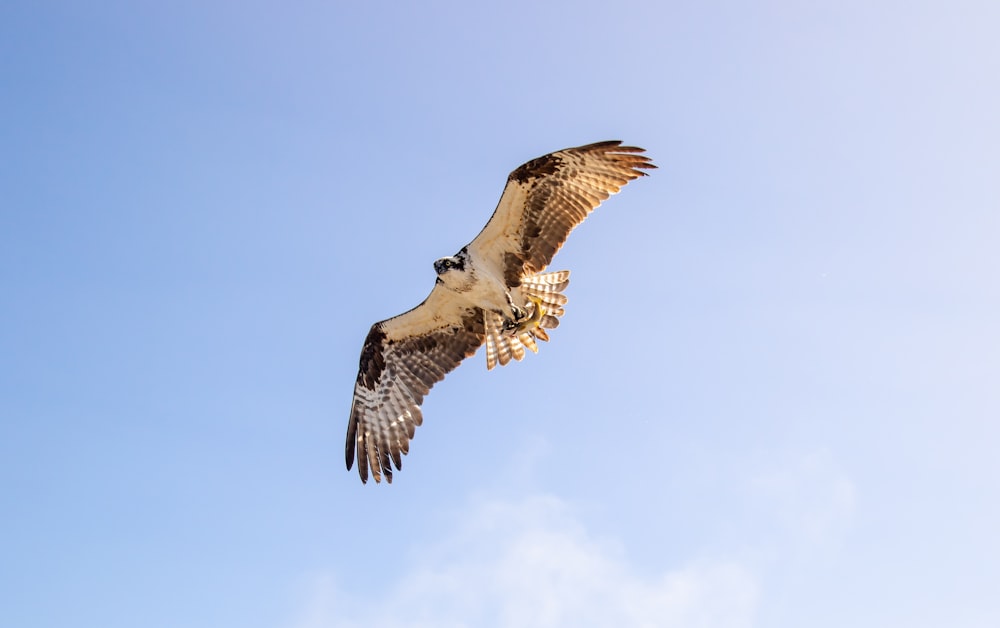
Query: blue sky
(773, 400)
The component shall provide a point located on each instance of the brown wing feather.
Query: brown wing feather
(403, 357)
(548, 197)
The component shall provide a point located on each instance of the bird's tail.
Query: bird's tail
(545, 295)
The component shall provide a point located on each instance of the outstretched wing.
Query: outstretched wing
(402, 359)
(546, 198)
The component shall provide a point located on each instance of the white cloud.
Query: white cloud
(532, 563)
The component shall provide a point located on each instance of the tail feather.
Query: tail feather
(491, 340)
(547, 288)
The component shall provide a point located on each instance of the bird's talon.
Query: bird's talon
(530, 323)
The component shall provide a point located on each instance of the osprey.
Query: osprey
(494, 290)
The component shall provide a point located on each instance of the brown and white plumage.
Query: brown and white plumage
(491, 292)
(547, 197)
(402, 359)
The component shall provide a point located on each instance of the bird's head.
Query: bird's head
(445, 264)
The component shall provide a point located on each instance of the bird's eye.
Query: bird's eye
(447, 263)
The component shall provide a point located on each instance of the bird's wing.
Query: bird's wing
(546, 198)
(403, 357)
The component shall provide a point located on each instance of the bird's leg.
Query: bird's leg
(519, 313)
(513, 317)
(530, 323)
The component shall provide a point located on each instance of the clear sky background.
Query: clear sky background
(773, 400)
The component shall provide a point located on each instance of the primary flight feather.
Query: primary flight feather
(494, 290)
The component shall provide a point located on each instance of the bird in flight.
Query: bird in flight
(494, 290)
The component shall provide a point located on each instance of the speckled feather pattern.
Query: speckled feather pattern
(403, 357)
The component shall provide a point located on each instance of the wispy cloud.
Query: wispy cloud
(531, 562)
